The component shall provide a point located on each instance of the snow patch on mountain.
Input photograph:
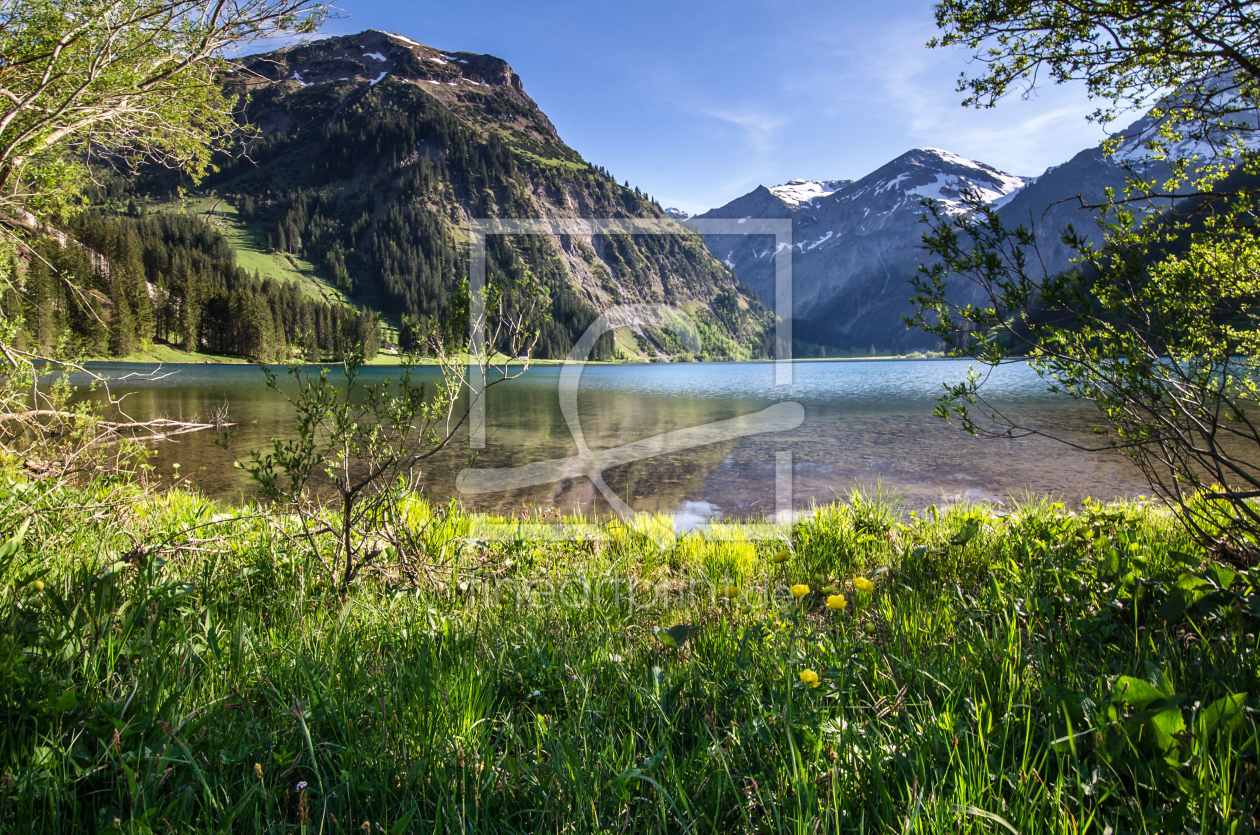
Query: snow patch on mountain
(820, 241)
(1199, 150)
(1236, 126)
(942, 176)
(949, 190)
(404, 39)
(797, 193)
(1009, 181)
(676, 214)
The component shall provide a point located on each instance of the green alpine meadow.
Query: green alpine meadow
(373, 460)
(170, 662)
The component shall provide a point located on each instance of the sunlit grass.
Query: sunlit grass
(186, 668)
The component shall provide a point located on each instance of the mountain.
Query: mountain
(796, 193)
(373, 153)
(855, 245)
(1064, 195)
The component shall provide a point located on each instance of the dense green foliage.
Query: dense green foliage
(1194, 60)
(167, 665)
(1157, 325)
(122, 80)
(1158, 328)
(119, 283)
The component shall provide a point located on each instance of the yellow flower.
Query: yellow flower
(810, 678)
(862, 584)
(836, 602)
(39, 585)
(729, 592)
(800, 590)
(782, 557)
(258, 771)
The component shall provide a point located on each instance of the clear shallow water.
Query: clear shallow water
(863, 422)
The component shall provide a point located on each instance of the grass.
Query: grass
(184, 669)
(169, 354)
(249, 242)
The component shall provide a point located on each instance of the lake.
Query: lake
(864, 422)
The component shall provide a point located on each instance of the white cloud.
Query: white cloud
(760, 128)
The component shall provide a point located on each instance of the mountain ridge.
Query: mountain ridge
(373, 153)
(855, 244)
(851, 277)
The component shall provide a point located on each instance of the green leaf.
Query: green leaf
(1078, 706)
(1224, 714)
(965, 535)
(1134, 691)
(1190, 582)
(676, 636)
(66, 700)
(115, 569)
(1184, 559)
(400, 825)
(653, 761)
(977, 812)
(9, 548)
(43, 757)
(1166, 724)
(1224, 577)
(1174, 606)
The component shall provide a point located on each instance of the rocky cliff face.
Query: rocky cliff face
(370, 57)
(376, 150)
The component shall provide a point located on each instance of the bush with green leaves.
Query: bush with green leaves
(1158, 324)
(363, 444)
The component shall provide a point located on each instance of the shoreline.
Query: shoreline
(427, 361)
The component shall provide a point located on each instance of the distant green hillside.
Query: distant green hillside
(169, 286)
(248, 240)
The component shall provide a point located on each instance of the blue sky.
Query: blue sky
(700, 102)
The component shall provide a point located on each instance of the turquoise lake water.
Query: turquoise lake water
(863, 422)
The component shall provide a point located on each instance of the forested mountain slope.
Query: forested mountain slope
(374, 153)
(112, 286)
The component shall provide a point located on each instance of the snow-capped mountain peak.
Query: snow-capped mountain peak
(855, 244)
(676, 214)
(938, 175)
(797, 193)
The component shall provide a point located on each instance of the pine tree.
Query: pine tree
(122, 325)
